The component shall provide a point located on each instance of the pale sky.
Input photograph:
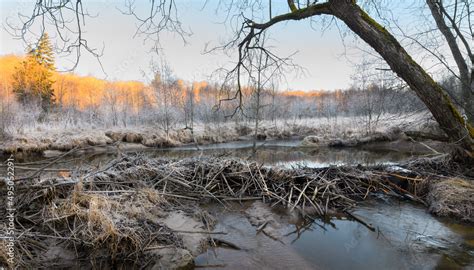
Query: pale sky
(321, 54)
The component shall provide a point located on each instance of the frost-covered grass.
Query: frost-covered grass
(42, 136)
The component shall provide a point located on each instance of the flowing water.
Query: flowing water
(407, 237)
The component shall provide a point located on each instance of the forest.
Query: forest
(241, 168)
(82, 102)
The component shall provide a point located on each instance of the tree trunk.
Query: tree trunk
(467, 86)
(431, 93)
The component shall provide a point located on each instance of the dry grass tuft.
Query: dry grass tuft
(453, 197)
(3, 255)
(114, 223)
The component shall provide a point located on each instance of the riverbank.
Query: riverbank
(343, 132)
(142, 212)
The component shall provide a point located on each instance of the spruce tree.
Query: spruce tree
(32, 81)
(43, 54)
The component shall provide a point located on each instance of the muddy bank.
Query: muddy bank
(141, 137)
(391, 140)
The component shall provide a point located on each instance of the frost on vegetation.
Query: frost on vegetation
(314, 131)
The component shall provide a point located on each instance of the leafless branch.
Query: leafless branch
(65, 18)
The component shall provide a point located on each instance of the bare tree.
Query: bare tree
(373, 92)
(262, 71)
(441, 33)
(273, 102)
(449, 17)
(431, 93)
(249, 37)
(111, 100)
(165, 88)
(257, 96)
(6, 109)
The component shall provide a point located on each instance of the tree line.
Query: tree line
(34, 93)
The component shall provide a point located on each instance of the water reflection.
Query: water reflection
(406, 238)
(288, 153)
(272, 153)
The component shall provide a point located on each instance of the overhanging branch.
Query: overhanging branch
(299, 14)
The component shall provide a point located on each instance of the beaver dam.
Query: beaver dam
(139, 212)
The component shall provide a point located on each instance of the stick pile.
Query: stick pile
(112, 213)
(234, 179)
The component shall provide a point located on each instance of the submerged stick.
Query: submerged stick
(226, 243)
(200, 232)
(361, 221)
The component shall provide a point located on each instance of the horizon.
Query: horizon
(129, 59)
(285, 91)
